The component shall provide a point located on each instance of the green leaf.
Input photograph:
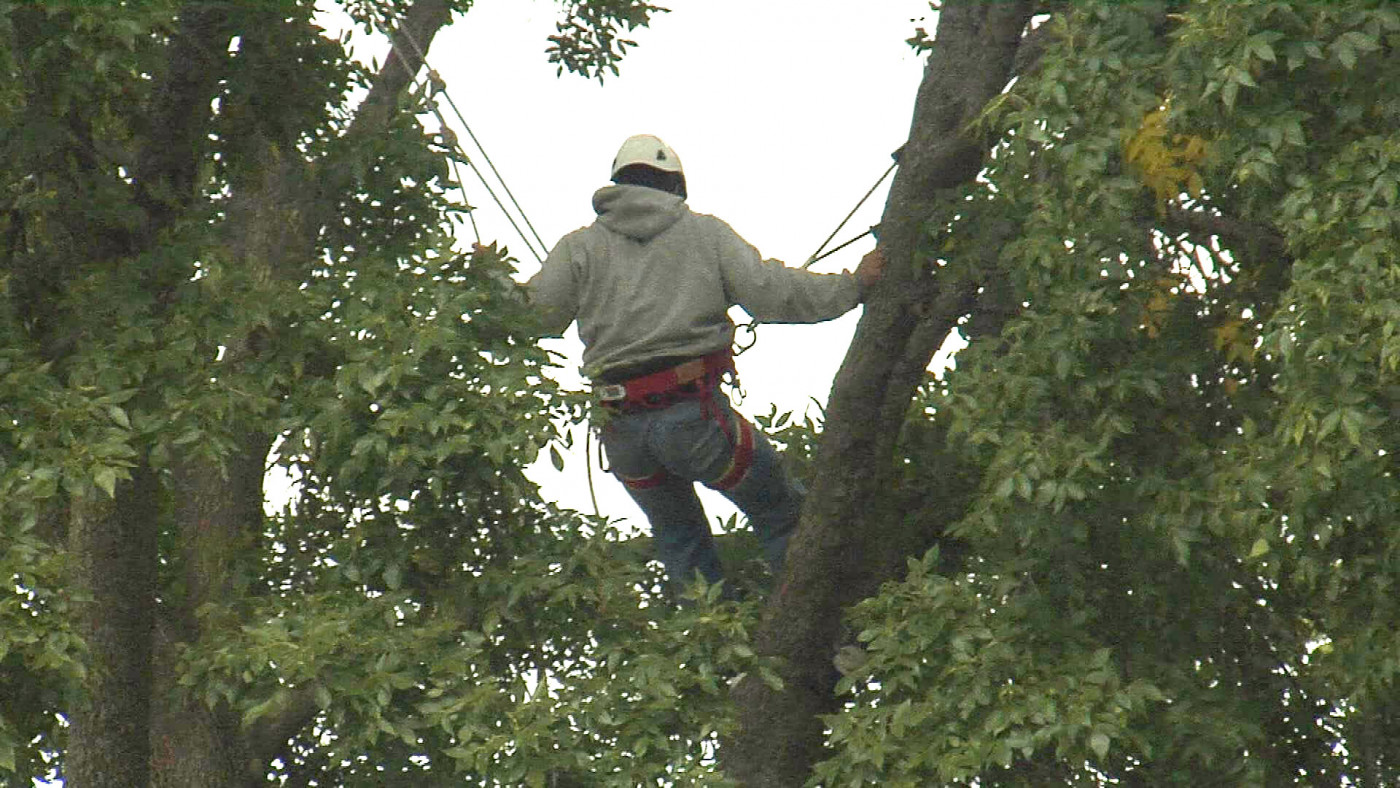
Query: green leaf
(1346, 53)
(1352, 422)
(1228, 92)
(771, 678)
(393, 576)
(119, 416)
(1262, 49)
(555, 458)
(1261, 547)
(1329, 424)
(1099, 742)
(106, 480)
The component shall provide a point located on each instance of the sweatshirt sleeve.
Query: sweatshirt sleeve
(553, 290)
(774, 293)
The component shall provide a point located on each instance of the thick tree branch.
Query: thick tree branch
(114, 543)
(414, 35)
(1248, 237)
(270, 737)
(836, 553)
(179, 117)
(219, 518)
(1032, 48)
(274, 221)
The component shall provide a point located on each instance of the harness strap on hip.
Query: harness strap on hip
(692, 380)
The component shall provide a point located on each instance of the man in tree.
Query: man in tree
(650, 284)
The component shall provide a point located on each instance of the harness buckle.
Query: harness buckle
(612, 392)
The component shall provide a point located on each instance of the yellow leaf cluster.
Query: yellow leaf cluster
(1159, 304)
(1232, 340)
(1167, 163)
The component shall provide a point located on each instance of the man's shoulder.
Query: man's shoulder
(581, 232)
(576, 238)
(706, 223)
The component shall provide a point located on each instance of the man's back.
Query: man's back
(651, 280)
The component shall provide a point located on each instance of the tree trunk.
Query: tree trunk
(192, 745)
(839, 554)
(114, 582)
(130, 725)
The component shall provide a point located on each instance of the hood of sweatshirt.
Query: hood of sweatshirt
(637, 211)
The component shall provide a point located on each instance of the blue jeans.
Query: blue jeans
(660, 454)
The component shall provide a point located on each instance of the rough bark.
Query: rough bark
(838, 554)
(218, 516)
(113, 542)
(191, 744)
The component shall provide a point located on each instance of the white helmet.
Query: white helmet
(649, 150)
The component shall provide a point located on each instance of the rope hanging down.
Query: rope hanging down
(439, 86)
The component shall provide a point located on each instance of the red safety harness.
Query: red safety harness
(697, 379)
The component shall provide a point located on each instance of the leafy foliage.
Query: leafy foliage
(289, 282)
(1176, 564)
(589, 38)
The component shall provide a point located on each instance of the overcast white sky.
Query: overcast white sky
(783, 114)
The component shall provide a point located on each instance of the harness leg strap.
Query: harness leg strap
(644, 482)
(741, 436)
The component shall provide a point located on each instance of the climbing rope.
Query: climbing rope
(746, 334)
(450, 140)
(438, 87)
(457, 176)
(588, 461)
(818, 255)
(485, 155)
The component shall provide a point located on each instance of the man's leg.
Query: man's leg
(771, 499)
(714, 445)
(678, 525)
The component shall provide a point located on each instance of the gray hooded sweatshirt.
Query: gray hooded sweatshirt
(650, 281)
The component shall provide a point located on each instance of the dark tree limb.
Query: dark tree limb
(414, 35)
(274, 222)
(1243, 236)
(114, 546)
(1032, 48)
(118, 738)
(836, 555)
(179, 118)
(271, 737)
